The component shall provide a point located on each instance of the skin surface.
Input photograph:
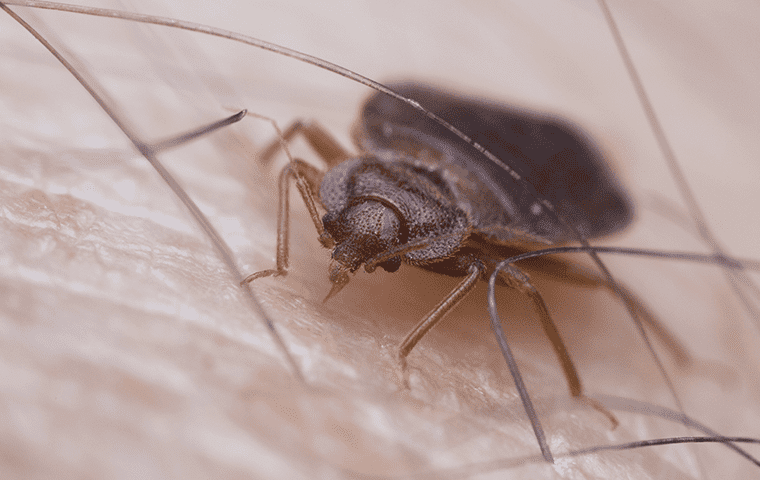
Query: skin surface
(128, 351)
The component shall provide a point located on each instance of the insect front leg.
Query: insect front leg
(307, 180)
(306, 177)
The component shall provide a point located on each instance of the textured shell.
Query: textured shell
(420, 198)
(559, 160)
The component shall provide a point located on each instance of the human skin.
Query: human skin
(128, 349)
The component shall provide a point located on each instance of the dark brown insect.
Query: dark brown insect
(419, 195)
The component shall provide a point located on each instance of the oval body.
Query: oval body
(422, 195)
(559, 160)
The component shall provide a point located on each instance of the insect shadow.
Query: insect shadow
(518, 232)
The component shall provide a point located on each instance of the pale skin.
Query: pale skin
(131, 340)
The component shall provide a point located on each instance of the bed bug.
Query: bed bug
(416, 194)
(506, 452)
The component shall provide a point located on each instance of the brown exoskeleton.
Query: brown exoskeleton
(418, 195)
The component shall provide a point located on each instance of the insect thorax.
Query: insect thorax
(374, 206)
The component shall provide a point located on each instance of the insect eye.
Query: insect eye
(391, 265)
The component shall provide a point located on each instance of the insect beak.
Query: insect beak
(339, 279)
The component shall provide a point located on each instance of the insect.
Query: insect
(417, 194)
(452, 449)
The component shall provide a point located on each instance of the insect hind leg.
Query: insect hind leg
(575, 274)
(519, 280)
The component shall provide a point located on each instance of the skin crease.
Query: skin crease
(127, 349)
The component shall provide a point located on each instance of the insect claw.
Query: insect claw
(614, 422)
(264, 273)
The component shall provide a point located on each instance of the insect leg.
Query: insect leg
(318, 137)
(437, 314)
(305, 175)
(519, 280)
(307, 180)
(578, 275)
